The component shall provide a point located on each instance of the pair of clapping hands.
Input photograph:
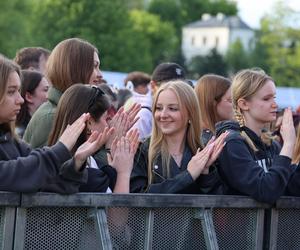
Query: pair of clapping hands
(202, 160)
(116, 137)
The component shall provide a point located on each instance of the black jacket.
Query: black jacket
(44, 169)
(99, 179)
(263, 175)
(180, 180)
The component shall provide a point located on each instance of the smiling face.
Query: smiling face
(12, 100)
(169, 117)
(261, 108)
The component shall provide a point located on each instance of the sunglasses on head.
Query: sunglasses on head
(97, 93)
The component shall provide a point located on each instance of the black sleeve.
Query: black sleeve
(98, 181)
(294, 183)
(172, 185)
(242, 173)
(210, 183)
(33, 171)
(139, 175)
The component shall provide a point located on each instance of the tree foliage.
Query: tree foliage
(282, 46)
(212, 63)
(236, 57)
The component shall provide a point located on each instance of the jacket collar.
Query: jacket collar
(54, 95)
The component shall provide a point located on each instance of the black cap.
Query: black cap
(168, 71)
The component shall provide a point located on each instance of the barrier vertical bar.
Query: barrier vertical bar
(101, 226)
(149, 230)
(8, 228)
(259, 237)
(274, 229)
(19, 236)
(205, 215)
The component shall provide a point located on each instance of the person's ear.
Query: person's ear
(29, 97)
(153, 86)
(243, 104)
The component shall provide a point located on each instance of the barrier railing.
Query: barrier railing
(146, 221)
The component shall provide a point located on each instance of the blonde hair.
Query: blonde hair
(187, 100)
(245, 85)
(296, 153)
(210, 89)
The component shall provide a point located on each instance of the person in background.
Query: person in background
(112, 96)
(32, 58)
(34, 90)
(63, 66)
(139, 82)
(248, 164)
(173, 160)
(165, 72)
(46, 169)
(214, 97)
(80, 99)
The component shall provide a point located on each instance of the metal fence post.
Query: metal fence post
(259, 237)
(101, 226)
(205, 215)
(20, 229)
(149, 230)
(274, 229)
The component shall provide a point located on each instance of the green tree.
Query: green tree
(13, 26)
(160, 36)
(281, 41)
(236, 57)
(212, 63)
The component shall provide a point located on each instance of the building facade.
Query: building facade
(219, 32)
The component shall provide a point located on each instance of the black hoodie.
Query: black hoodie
(263, 175)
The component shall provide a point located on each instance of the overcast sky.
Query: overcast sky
(252, 10)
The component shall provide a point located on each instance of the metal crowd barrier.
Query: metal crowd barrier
(146, 221)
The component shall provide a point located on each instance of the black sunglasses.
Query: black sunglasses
(98, 92)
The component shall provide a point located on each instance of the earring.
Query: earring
(88, 131)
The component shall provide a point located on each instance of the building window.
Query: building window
(217, 42)
(204, 40)
(193, 40)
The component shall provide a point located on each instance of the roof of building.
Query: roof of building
(220, 20)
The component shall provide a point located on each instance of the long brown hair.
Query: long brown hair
(187, 100)
(75, 101)
(210, 89)
(70, 62)
(7, 67)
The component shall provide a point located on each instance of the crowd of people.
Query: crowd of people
(64, 129)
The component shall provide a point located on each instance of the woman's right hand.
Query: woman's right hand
(288, 133)
(92, 145)
(199, 160)
(73, 131)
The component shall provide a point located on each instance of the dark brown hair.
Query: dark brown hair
(76, 100)
(30, 81)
